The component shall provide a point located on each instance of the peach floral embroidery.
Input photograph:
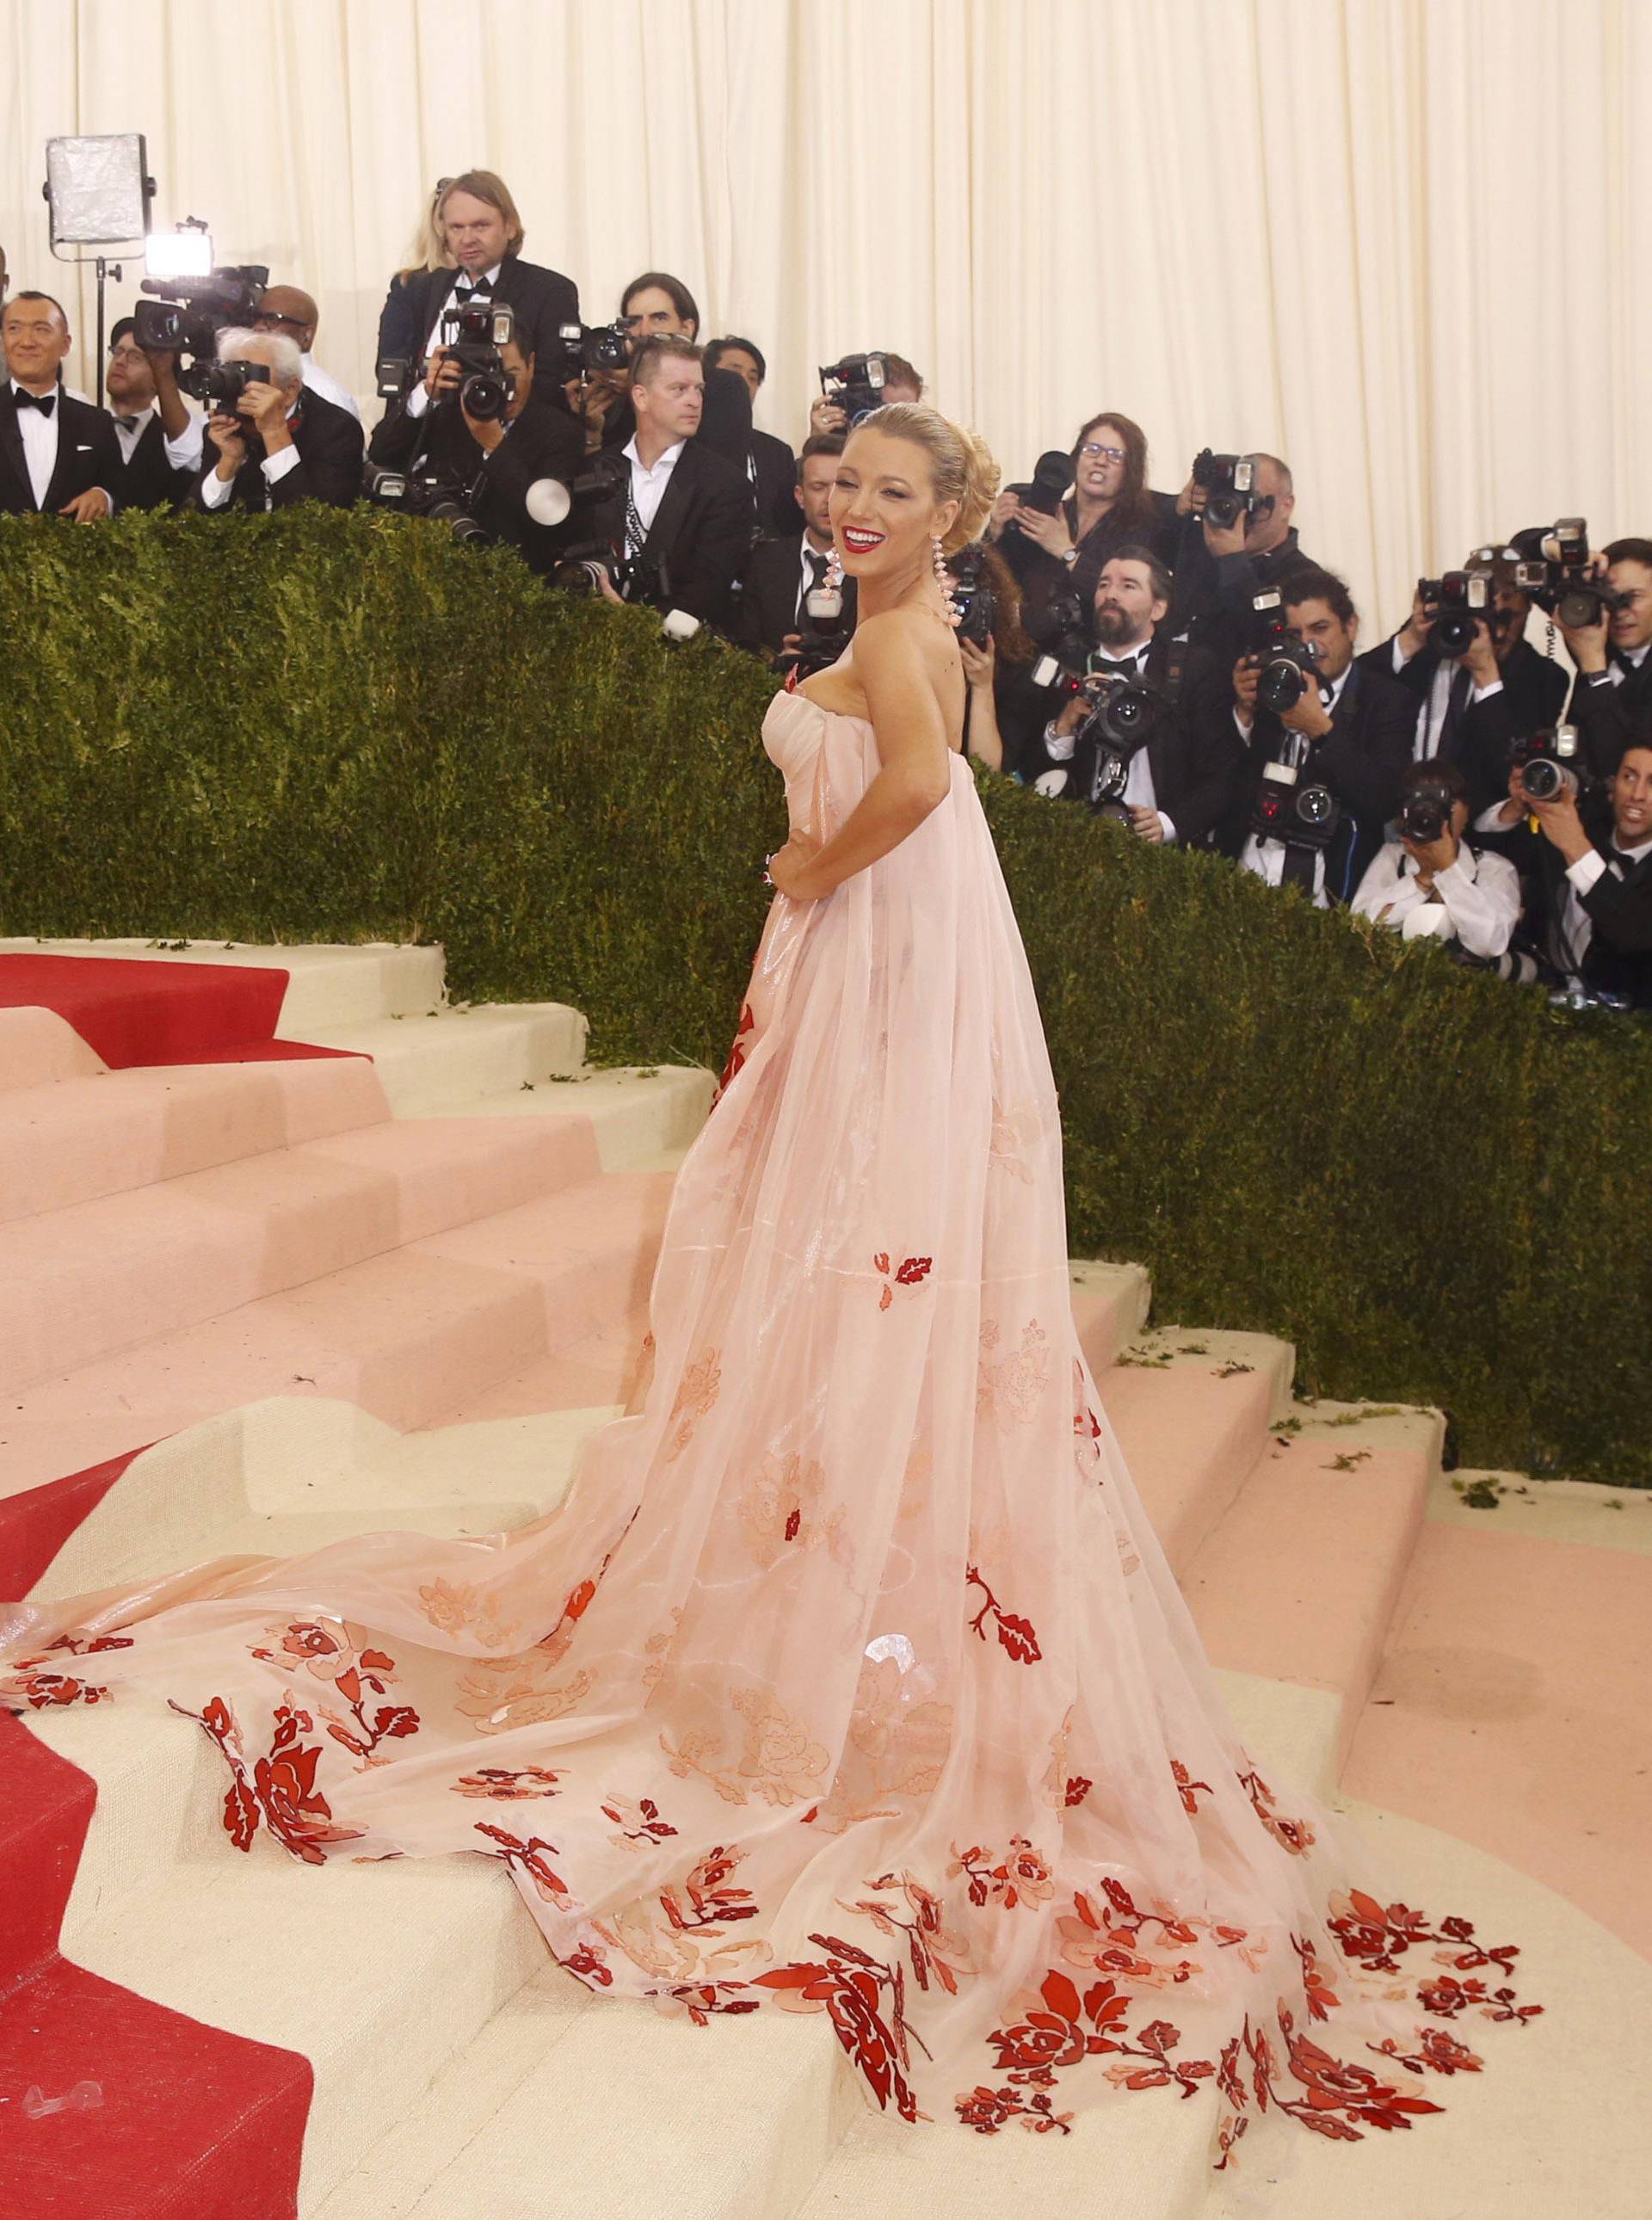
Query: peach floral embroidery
(638, 1821)
(1055, 1776)
(1295, 1835)
(914, 1485)
(778, 1760)
(896, 1745)
(1008, 1392)
(697, 1392)
(938, 1952)
(1013, 1134)
(781, 1509)
(453, 1607)
(503, 1692)
(1021, 1876)
(657, 1648)
(1109, 1935)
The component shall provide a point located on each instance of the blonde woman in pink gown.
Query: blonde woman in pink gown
(850, 1678)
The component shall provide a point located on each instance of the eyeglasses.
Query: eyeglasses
(1104, 454)
(269, 317)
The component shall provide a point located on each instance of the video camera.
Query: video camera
(1051, 476)
(1558, 556)
(856, 384)
(187, 317)
(1231, 488)
(1287, 662)
(1301, 812)
(1550, 762)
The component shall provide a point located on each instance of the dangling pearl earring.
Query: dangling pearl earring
(944, 580)
(834, 569)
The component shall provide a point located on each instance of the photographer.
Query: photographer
(160, 436)
(1345, 741)
(771, 464)
(276, 444)
(1430, 883)
(683, 516)
(1183, 776)
(481, 230)
(1453, 688)
(774, 618)
(901, 382)
(1109, 506)
(1589, 867)
(57, 454)
(488, 464)
(654, 306)
(1003, 710)
(1221, 567)
(1612, 701)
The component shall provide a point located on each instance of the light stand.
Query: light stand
(98, 190)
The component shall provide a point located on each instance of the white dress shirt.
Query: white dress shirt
(808, 554)
(418, 400)
(1614, 673)
(1138, 777)
(648, 484)
(323, 382)
(1431, 712)
(1477, 901)
(216, 491)
(183, 453)
(1267, 857)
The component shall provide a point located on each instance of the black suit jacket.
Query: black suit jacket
(544, 301)
(148, 479)
(1618, 959)
(1194, 750)
(1362, 760)
(700, 536)
(1212, 599)
(1532, 697)
(329, 442)
(1040, 575)
(89, 455)
(768, 596)
(1610, 718)
(775, 467)
(543, 442)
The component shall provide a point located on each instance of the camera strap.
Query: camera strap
(1299, 866)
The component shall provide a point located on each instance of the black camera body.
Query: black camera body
(1460, 600)
(973, 595)
(1292, 806)
(856, 384)
(1230, 484)
(220, 385)
(1287, 664)
(1044, 491)
(1551, 762)
(587, 347)
(427, 492)
(474, 333)
(1425, 813)
(1558, 556)
(1121, 716)
(189, 313)
(1061, 627)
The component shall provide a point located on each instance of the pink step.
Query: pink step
(77, 1138)
(37, 1047)
(1190, 1440)
(1299, 1578)
(83, 1283)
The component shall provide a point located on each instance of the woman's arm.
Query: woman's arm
(983, 736)
(916, 774)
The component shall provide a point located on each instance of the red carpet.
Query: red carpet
(194, 2124)
(136, 1013)
(35, 1525)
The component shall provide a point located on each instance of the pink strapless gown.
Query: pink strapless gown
(851, 1677)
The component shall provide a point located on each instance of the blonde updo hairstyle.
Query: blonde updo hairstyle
(961, 465)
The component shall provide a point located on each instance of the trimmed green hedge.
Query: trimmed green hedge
(321, 726)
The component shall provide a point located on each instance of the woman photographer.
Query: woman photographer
(1110, 506)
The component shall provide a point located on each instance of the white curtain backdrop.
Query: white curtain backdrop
(1394, 241)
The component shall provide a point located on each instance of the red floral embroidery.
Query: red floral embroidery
(850, 1986)
(712, 1904)
(1292, 1835)
(736, 1055)
(1022, 1877)
(1077, 1789)
(648, 1827)
(590, 1966)
(42, 1691)
(506, 1785)
(529, 1857)
(1436, 2051)
(280, 1790)
(700, 1999)
(1015, 1635)
(1322, 1998)
(937, 1954)
(1187, 1784)
(908, 1273)
(985, 2110)
(1110, 1941)
(1063, 2028)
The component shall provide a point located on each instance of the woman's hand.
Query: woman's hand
(789, 866)
(979, 662)
(1049, 532)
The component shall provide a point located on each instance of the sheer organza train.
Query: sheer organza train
(851, 1677)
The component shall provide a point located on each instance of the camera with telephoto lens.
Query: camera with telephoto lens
(856, 384)
(1426, 812)
(587, 347)
(1230, 484)
(1550, 762)
(1303, 811)
(972, 595)
(824, 633)
(1046, 489)
(189, 313)
(1558, 555)
(1119, 719)
(1460, 600)
(220, 385)
(432, 493)
(1286, 662)
(474, 333)
(1061, 626)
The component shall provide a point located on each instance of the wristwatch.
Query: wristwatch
(1069, 556)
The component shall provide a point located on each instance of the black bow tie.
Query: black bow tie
(1629, 863)
(128, 423)
(44, 402)
(1130, 667)
(463, 292)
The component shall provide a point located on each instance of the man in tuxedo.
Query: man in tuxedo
(1445, 887)
(288, 309)
(57, 454)
(1352, 725)
(1181, 780)
(1469, 707)
(1589, 866)
(771, 464)
(160, 436)
(1220, 568)
(782, 573)
(478, 221)
(682, 514)
(491, 461)
(280, 445)
(1612, 701)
